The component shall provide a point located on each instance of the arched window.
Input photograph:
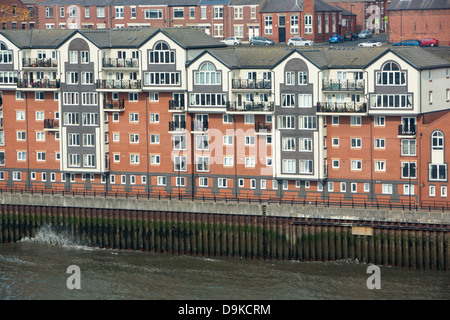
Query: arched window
(162, 54)
(437, 140)
(207, 74)
(391, 75)
(5, 54)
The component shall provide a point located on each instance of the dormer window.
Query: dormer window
(5, 54)
(207, 74)
(162, 54)
(391, 75)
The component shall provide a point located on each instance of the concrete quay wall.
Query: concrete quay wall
(249, 209)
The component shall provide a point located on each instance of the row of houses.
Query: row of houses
(278, 20)
(174, 110)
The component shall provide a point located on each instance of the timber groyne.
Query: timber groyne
(259, 231)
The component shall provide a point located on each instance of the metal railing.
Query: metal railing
(119, 84)
(250, 106)
(114, 105)
(120, 63)
(342, 85)
(39, 83)
(342, 107)
(250, 84)
(177, 125)
(317, 201)
(176, 105)
(39, 63)
(409, 130)
(263, 127)
(199, 125)
(51, 124)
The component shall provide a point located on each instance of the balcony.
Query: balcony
(120, 63)
(199, 126)
(263, 128)
(177, 126)
(260, 107)
(175, 105)
(39, 63)
(342, 107)
(119, 84)
(342, 85)
(114, 106)
(51, 125)
(38, 84)
(409, 130)
(239, 84)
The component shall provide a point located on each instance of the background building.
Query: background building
(418, 20)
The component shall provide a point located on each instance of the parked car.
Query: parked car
(409, 42)
(261, 41)
(336, 38)
(350, 36)
(300, 42)
(432, 42)
(232, 41)
(370, 43)
(365, 34)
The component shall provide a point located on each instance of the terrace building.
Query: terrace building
(174, 110)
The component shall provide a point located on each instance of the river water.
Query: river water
(36, 269)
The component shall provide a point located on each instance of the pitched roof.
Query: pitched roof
(320, 5)
(110, 38)
(282, 6)
(244, 2)
(418, 4)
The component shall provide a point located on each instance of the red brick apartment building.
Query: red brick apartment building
(18, 14)
(370, 14)
(419, 19)
(175, 110)
(278, 20)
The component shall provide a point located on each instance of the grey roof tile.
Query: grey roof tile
(418, 4)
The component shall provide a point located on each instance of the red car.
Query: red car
(430, 42)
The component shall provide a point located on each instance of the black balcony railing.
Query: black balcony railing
(39, 83)
(51, 124)
(251, 106)
(118, 84)
(176, 105)
(120, 63)
(39, 63)
(409, 130)
(177, 125)
(345, 107)
(199, 125)
(263, 127)
(342, 85)
(251, 84)
(114, 105)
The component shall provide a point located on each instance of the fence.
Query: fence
(365, 203)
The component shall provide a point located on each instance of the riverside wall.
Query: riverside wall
(256, 231)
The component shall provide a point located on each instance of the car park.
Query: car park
(300, 42)
(370, 44)
(430, 42)
(232, 41)
(409, 42)
(365, 34)
(335, 38)
(261, 41)
(350, 36)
